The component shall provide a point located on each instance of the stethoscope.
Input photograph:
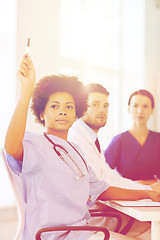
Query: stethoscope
(55, 146)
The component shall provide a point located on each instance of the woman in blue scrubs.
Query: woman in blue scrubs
(136, 153)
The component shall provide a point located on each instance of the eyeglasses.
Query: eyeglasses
(63, 153)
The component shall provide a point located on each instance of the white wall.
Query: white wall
(40, 20)
(132, 43)
(152, 57)
(7, 63)
(7, 90)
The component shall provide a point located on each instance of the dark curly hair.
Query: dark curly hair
(58, 83)
(144, 93)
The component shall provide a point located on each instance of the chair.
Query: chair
(107, 213)
(128, 225)
(17, 188)
(74, 228)
(94, 213)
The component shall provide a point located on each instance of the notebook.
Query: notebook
(138, 203)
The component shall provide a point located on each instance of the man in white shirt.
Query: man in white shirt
(84, 133)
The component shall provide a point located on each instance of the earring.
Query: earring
(42, 119)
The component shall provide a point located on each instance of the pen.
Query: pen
(28, 45)
(156, 178)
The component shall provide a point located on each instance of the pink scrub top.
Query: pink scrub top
(52, 193)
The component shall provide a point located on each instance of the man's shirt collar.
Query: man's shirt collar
(91, 133)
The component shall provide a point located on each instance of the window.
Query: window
(102, 41)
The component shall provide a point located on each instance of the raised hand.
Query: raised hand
(26, 72)
(16, 129)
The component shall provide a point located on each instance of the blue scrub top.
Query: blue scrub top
(132, 160)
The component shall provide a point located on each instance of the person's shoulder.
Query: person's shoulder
(76, 124)
(29, 134)
(32, 137)
(154, 134)
(76, 132)
(120, 136)
(74, 128)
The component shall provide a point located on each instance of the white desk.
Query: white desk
(143, 214)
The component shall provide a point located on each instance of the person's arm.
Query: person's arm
(147, 182)
(16, 129)
(114, 193)
(155, 186)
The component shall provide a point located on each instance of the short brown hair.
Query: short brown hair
(144, 93)
(96, 87)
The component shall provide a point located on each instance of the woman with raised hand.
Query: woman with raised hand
(58, 185)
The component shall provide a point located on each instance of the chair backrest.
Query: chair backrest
(17, 188)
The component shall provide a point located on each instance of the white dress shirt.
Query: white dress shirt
(85, 137)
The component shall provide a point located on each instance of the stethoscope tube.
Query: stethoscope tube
(59, 155)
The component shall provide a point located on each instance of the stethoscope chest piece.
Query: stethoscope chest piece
(79, 177)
